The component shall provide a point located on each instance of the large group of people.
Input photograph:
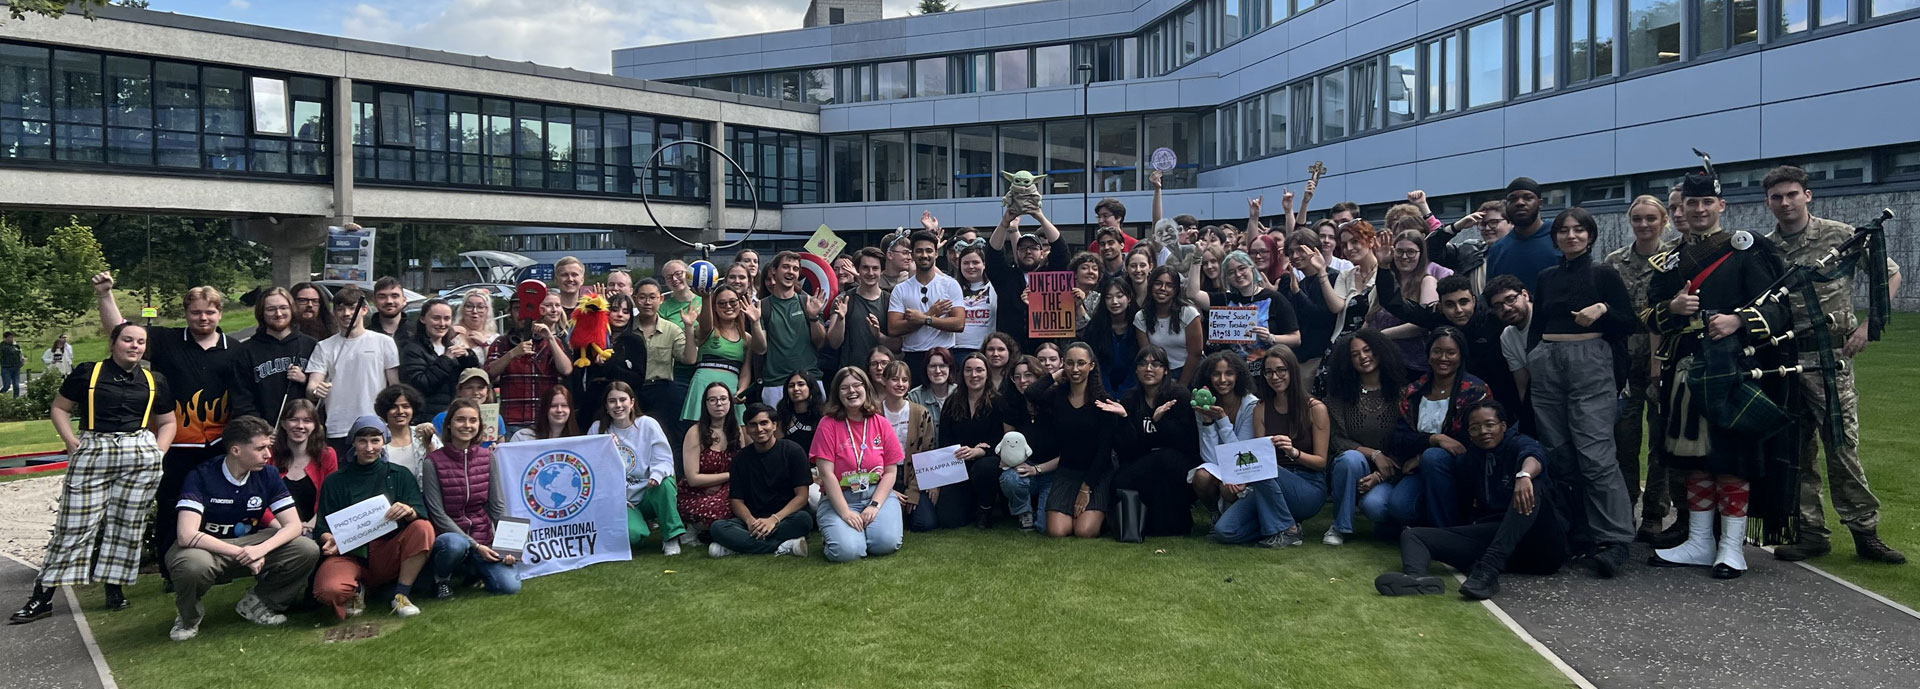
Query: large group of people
(1479, 398)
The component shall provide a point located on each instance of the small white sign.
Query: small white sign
(1231, 324)
(510, 536)
(1164, 159)
(1245, 462)
(358, 524)
(936, 468)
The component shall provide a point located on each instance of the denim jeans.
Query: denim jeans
(843, 543)
(733, 534)
(455, 553)
(1348, 467)
(1022, 490)
(10, 380)
(1397, 502)
(1272, 506)
(1443, 504)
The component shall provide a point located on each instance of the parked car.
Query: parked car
(499, 292)
(333, 286)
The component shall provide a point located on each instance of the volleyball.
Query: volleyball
(702, 276)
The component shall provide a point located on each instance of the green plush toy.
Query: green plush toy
(1203, 398)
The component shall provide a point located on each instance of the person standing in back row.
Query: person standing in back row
(925, 309)
(1528, 247)
(349, 368)
(1009, 277)
(792, 327)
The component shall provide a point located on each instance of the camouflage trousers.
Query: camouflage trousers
(1859, 509)
(1664, 488)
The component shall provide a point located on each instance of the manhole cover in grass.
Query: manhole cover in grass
(352, 632)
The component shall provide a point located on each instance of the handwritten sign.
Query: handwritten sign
(358, 524)
(1050, 304)
(510, 536)
(1245, 461)
(1231, 324)
(1165, 159)
(936, 468)
(825, 244)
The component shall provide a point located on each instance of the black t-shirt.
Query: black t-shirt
(764, 481)
(201, 377)
(860, 340)
(800, 428)
(120, 399)
(1009, 280)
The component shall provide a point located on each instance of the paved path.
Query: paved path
(48, 654)
(1780, 626)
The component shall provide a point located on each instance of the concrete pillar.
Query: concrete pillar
(716, 230)
(291, 241)
(342, 154)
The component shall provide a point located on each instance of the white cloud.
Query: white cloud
(241, 5)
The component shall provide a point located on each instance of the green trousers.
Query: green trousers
(660, 504)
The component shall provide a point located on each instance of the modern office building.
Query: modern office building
(1600, 100)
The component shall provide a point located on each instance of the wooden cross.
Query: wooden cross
(1316, 169)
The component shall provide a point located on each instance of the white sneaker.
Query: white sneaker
(671, 547)
(796, 547)
(182, 632)
(690, 540)
(358, 605)
(1333, 537)
(404, 607)
(717, 550)
(257, 612)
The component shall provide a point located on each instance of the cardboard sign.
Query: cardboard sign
(1245, 462)
(1231, 324)
(359, 523)
(1050, 304)
(825, 244)
(936, 468)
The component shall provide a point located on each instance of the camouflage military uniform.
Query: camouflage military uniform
(1858, 507)
(1662, 486)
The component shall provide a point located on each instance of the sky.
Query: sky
(581, 34)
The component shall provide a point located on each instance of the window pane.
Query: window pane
(178, 150)
(1883, 8)
(130, 92)
(930, 77)
(1365, 80)
(270, 106)
(889, 166)
(1711, 31)
(1580, 35)
(1333, 106)
(1010, 70)
(931, 174)
(223, 101)
(24, 82)
(1746, 21)
(1253, 136)
(1304, 109)
(1486, 64)
(1020, 148)
(819, 85)
(1190, 36)
(1403, 80)
(894, 82)
(1230, 20)
(1230, 134)
(1603, 37)
(1546, 72)
(559, 148)
(973, 171)
(77, 91)
(789, 83)
(1053, 66)
(130, 146)
(1180, 133)
(1653, 33)
(1066, 157)
(1116, 144)
(1277, 121)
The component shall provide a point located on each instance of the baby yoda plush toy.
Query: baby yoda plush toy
(1013, 450)
(1023, 192)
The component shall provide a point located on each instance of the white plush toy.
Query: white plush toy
(1013, 450)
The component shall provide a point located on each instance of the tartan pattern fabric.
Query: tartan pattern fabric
(525, 379)
(1700, 493)
(111, 480)
(1734, 493)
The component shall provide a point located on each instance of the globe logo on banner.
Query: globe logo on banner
(557, 486)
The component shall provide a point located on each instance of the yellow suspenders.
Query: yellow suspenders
(93, 382)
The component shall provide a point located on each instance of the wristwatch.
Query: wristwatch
(1522, 474)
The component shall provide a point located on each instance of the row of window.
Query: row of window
(787, 165)
(1526, 51)
(1658, 32)
(965, 162)
(95, 108)
(558, 241)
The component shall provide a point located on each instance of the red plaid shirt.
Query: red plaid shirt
(525, 379)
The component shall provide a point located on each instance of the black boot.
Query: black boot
(1132, 516)
(39, 607)
(116, 598)
(1803, 549)
(1610, 560)
(1672, 537)
(983, 519)
(1403, 584)
(1868, 546)
(1482, 584)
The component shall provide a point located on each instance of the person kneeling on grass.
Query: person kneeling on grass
(236, 521)
(768, 480)
(464, 499)
(859, 460)
(397, 557)
(1507, 502)
(651, 491)
(1269, 512)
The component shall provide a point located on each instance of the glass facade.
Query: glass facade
(94, 108)
(1653, 33)
(786, 164)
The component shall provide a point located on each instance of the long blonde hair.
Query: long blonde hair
(486, 322)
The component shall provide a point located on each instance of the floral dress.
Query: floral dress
(704, 506)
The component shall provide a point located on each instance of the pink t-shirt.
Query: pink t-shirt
(860, 451)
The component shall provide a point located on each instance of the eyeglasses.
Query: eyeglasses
(278, 309)
(1509, 302)
(727, 303)
(1407, 253)
(1278, 372)
(1151, 363)
(1485, 426)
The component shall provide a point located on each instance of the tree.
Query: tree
(936, 6)
(159, 257)
(46, 283)
(54, 9)
(396, 244)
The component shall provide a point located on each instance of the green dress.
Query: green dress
(720, 360)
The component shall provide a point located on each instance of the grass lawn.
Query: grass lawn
(21, 437)
(953, 609)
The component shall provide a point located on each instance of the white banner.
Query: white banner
(573, 493)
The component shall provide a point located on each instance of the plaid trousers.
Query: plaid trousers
(111, 479)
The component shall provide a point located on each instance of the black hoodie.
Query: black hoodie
(260, 366)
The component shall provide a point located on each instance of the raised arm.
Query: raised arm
(1154, 178)
(1048, 233)
(109, 309)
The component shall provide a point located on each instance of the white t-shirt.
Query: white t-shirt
(422, 443)
(981, 309)
(1165, 338)
(1513, 345)
(902, 421)
(911, 293)
(357, 368)
(1433, 414)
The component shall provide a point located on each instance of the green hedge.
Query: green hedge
(36, 404)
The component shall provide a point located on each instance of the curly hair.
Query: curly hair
(1343, 380)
